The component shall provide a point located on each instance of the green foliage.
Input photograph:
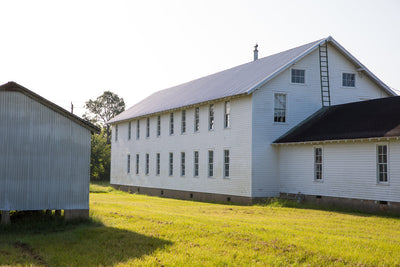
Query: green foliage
(138, 230)
(100, 159)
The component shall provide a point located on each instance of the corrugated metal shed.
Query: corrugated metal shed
(243, 79)
(44, 153)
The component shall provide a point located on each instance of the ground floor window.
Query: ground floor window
(137, 163)
(183, 164)
(382, 163)
(171, 164)
(147, 164)
(226, 163)
(318, 163)
(129, 164)
(196, 164)
(158, 164)
(210, 163)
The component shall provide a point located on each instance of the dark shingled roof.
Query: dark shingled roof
(367, 119)
(15, 87)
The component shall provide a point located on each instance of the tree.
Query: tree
(99, 112)
(100, 157)
(104, 108)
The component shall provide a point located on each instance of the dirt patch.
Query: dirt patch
(28, 250)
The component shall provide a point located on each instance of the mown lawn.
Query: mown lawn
(129, 229)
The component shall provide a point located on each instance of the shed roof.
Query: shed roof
(15, 87)
(242, 79)
(368, 119)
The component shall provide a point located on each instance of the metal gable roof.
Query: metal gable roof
(15, 87)
(239, 80)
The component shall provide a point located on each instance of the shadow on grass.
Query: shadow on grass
(50, 241)
(277, 202)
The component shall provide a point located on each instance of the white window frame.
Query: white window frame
(138, 129)
(128, 167)
(211, 117)
(171, 123)
(183, 121)
(227, 163)
(342, 80)
(227, 114)
(147, 127)
(320, 177)
(158, 125)
(158, 159)
(147, 166)
(285, 110)
(210, 163)
(129, 130)
(171, 164)
(183, 163)
(291, 76)
(378, 164)
(196, 160)
(137, 164)
(196, 119)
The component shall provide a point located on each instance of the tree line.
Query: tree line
(99, 112)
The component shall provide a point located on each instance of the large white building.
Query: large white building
(216, 138)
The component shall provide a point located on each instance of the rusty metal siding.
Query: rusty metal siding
(44, 157)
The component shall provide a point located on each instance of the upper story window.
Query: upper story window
(280, 108)
(137, 129)
(382, 163)
(196, 119)
(116, 132)
(227, 117)
(318, 163)
(183, 122)
(129, 130)
(211, 117)
(298, 76)
(348, 80)
(158, 125)
(148, 127)
(171, 123)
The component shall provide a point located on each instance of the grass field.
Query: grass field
(129, 229)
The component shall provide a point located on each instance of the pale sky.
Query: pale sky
(74, 50)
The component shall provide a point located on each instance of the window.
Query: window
(183, 122)
(196, 119)
(158, 125)
(210, 163)
(128, 168)
(196, 164)
(171, 164)
(318, 163)
(137, 163)
(147, 164)
(183, 164)
(158, 164)
(298, 76)
(211, 117)
(171, 123)
(116, 132)
(382, 163)
(226, 163)
(129, 131)
(148, 127)
(137, 129)
(227, 117)
(348, 80)
(280, 108)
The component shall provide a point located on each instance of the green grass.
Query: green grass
(138, 230)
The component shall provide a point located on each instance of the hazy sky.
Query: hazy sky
(74, 50)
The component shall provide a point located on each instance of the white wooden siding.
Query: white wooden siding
(302, 101)
(237, 139)
(349, 171)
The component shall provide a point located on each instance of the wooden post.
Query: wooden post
(5, 217)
